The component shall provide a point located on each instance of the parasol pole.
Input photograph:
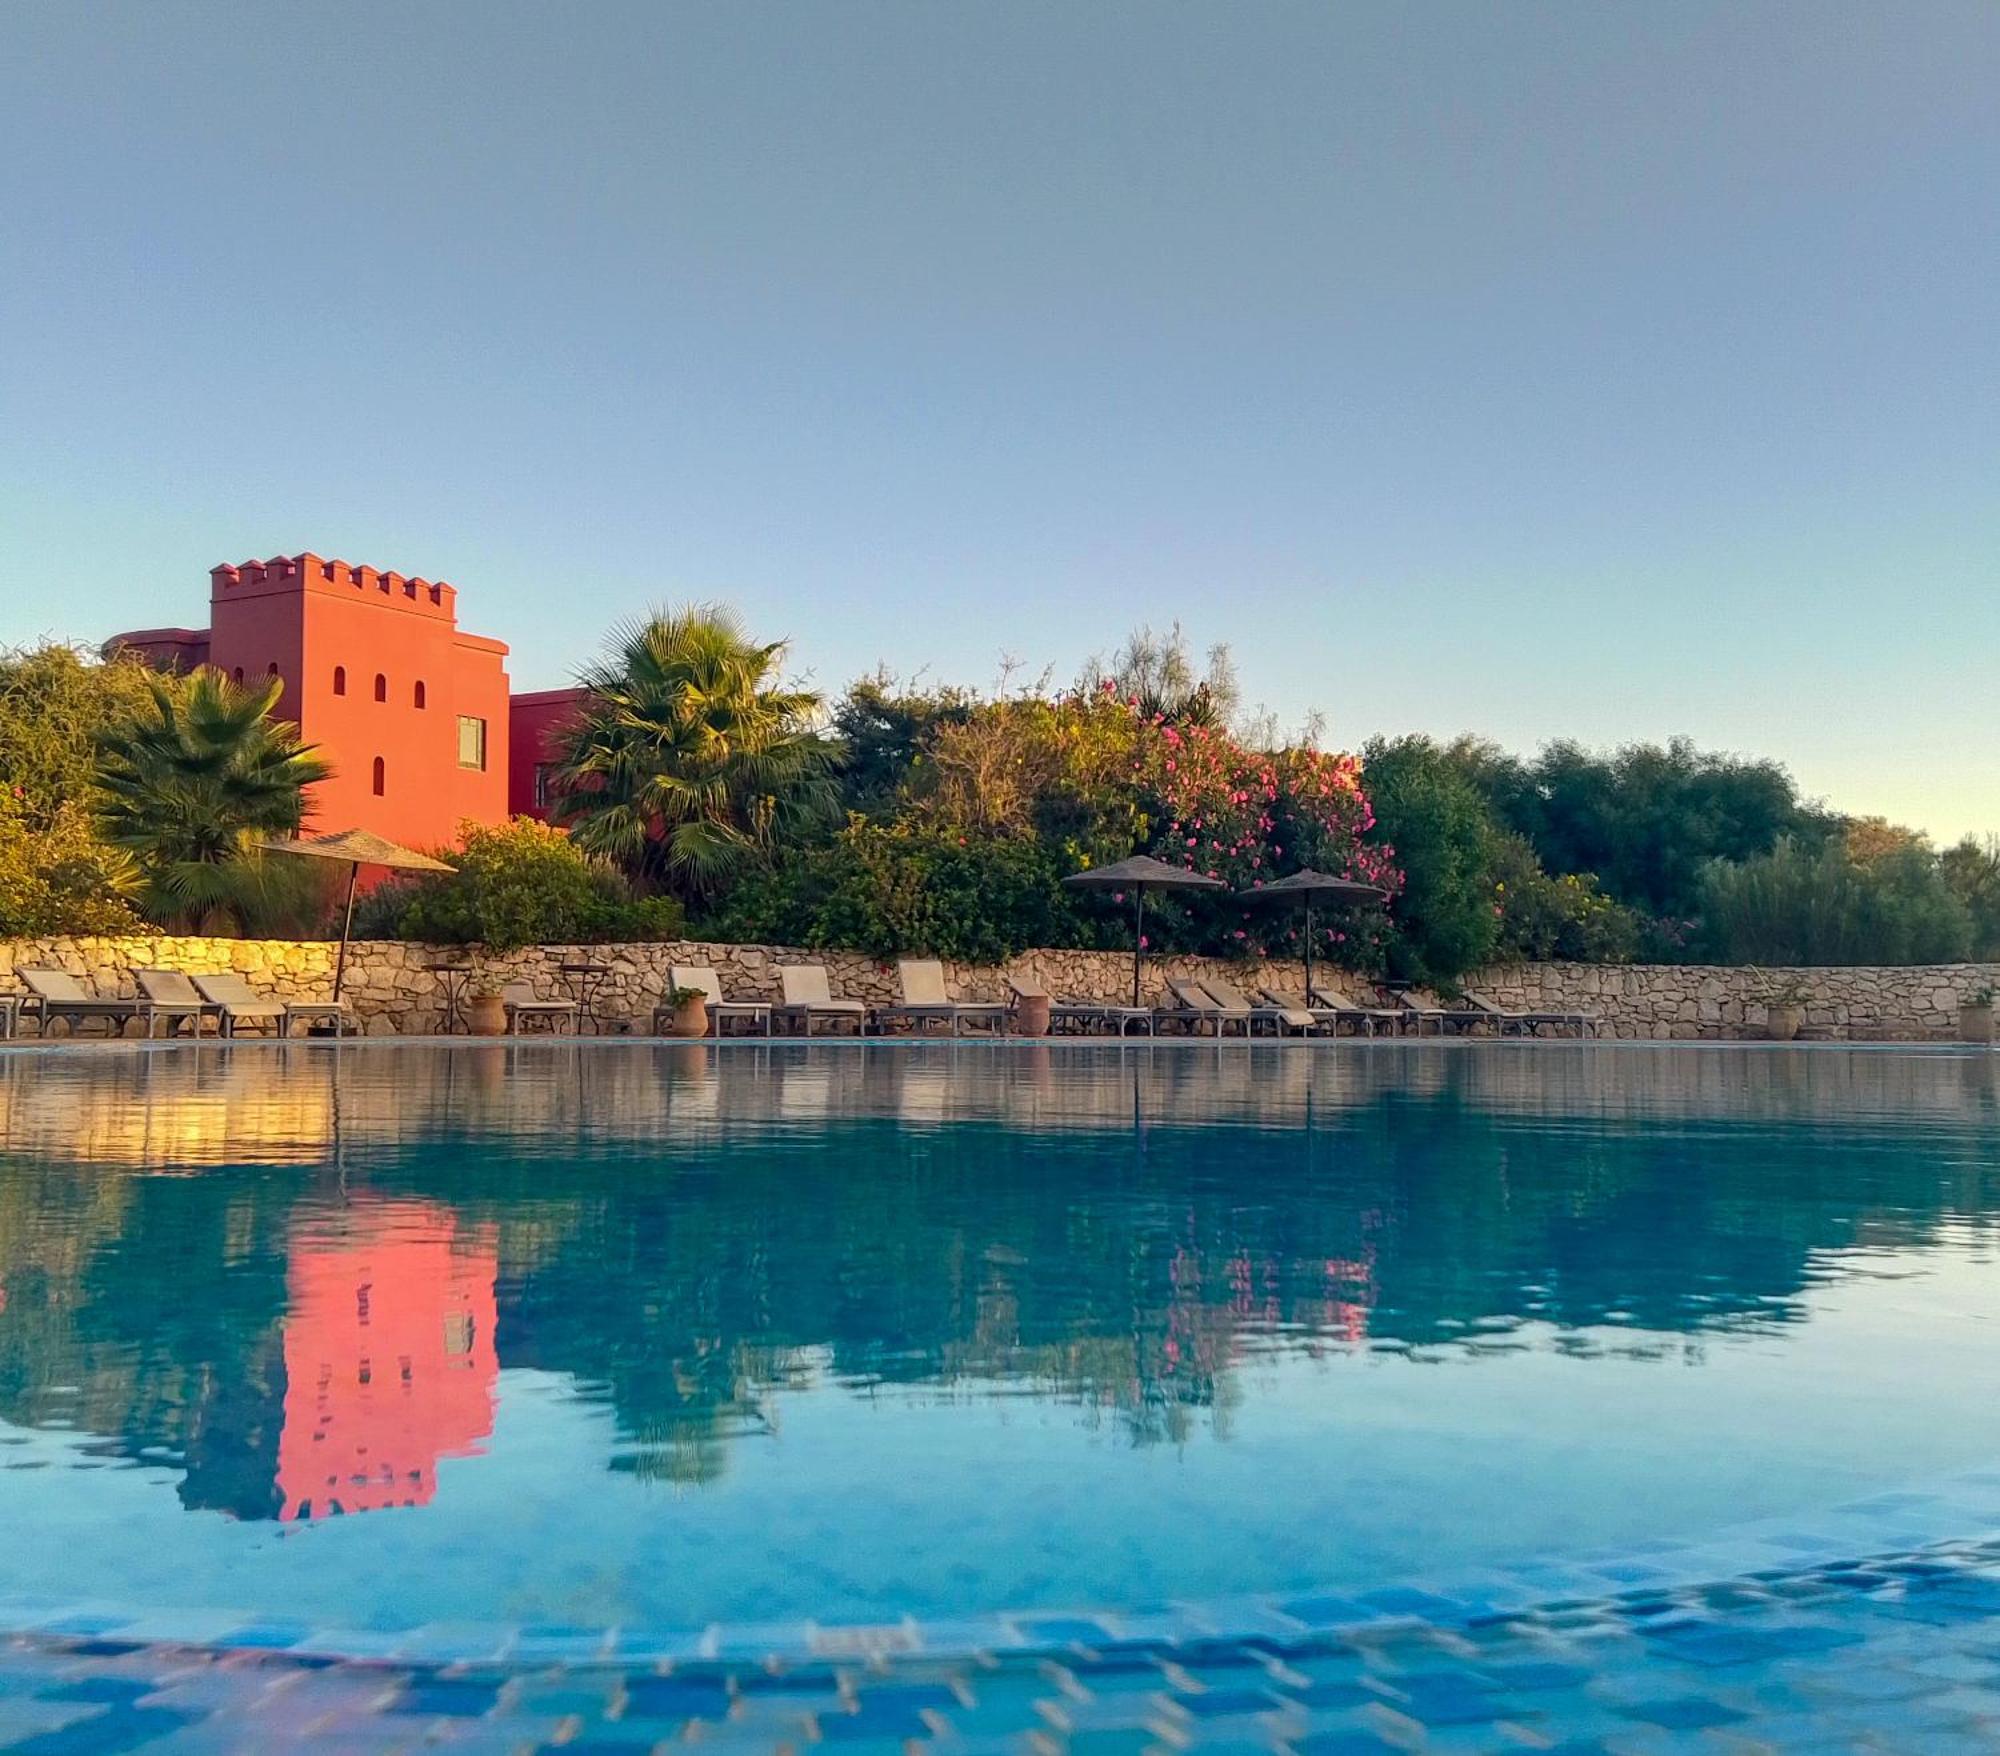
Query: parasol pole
(346, 927)
(1138, 937)
(1309, 949)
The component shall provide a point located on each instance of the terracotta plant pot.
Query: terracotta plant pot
(1781, 1023)
(485, 1015)
(1975, 1024)
(691, 1018)
(1031, 1015)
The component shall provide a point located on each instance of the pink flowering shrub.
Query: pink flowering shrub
(1250, 816)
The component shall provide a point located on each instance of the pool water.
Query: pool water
(667, 1336)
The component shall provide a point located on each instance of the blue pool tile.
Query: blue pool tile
(1683, 1713)
(1400, 1601)
(1353, 1742)
(447, 1696)
(105, 1691)
(1114, 1741)
(1225, 1703)
(103, 1734)
(1066, 1631)
(274, 1636)
(1329, 1611)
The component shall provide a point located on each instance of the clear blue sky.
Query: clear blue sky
(1612, 371)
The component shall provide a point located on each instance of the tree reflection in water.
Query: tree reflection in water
(297, 1272)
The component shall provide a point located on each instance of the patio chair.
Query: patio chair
(239, 1004)
(1228, 995)
(1527, 1023)
(524, 1007)
(168, 994)
(925, 1000)
(689, 976)
(1368, 1018)
(1083, 1015)
(55, 993)
(809, 998)
(1194, 1004)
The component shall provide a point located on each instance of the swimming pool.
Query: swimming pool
(658, 1337)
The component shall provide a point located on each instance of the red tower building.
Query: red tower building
(412, 711)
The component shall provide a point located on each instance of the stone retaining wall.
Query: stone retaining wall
(393, 993)
(1867, 1003)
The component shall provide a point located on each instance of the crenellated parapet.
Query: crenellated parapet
(308, 572)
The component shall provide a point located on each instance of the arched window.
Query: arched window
(271, 670)
(237, 674)
(381, 687)
(340, 679)
(381, 777)
(418, 694)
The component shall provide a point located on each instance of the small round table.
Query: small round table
(585, 979)
(453, 976)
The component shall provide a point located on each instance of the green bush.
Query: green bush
(522, 883)
(59, 877)
(907, 888)
(1799, 905)
(54, 703)
(1646, 818)
(1543, 918)
(1432, 820)
(1972, 871)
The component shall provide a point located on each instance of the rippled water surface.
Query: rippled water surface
(672, 1335)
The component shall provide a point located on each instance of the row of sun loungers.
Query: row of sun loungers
(1212, 1005)
(175, 999)
(1215, 1006)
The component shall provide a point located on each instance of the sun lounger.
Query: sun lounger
(524, 1007)
(1299, 1016)
(1228, 995)
(168, 994)
(926, 1002)
(688, 976)
(1083, 1015)
(808, 998)
(1415, 1014)
(1195, 1005)
(1368, 1018)
(1584, 1023)
(239, 1004)
(55, 993)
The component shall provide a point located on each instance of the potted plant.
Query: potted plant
(1975, 1016)
(1784, 1008)
(1031, 1015)
(485, 1011)
(689, 1007)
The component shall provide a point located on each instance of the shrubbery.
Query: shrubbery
(944, 821)
(1544, 919)
(60, 877)
(522, 883)
(897, 888)
(1800, 905)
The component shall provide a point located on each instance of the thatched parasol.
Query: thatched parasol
(1139, 874)
(358, 848)
(1308, 887)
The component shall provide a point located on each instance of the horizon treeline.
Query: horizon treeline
(703, 793)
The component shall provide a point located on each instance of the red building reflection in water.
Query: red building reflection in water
(389, 1357)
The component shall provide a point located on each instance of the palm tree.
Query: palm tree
(192, 783)
(691, 760)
